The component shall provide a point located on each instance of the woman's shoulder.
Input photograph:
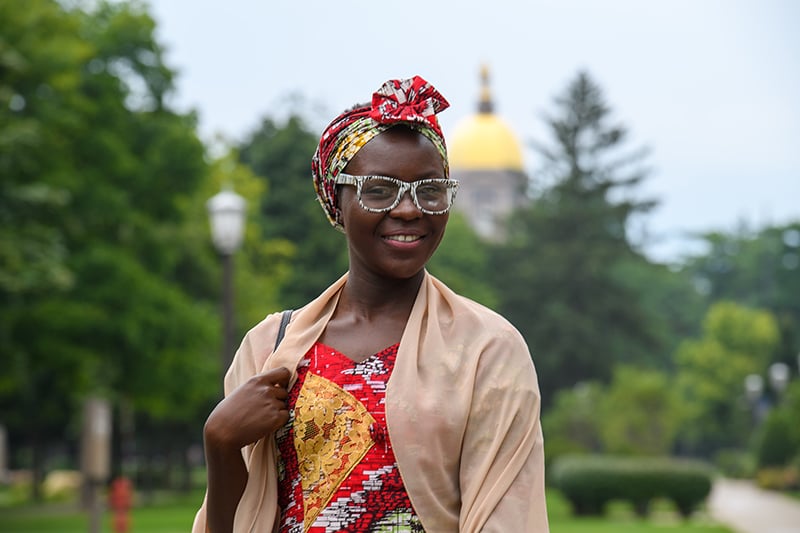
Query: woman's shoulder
(471, 316)
(486, 341)
(257, 344)
(265, 329)
(466, 307)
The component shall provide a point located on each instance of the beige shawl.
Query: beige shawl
(462, 410)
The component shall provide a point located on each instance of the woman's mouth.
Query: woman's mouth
(403, 238)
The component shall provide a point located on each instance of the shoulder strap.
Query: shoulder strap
(285, 317)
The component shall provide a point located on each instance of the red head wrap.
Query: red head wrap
(413, 102)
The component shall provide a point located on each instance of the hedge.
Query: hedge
(591, 481)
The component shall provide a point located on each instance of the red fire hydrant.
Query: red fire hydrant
(120, 499)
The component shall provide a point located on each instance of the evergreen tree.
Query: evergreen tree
(560, 275)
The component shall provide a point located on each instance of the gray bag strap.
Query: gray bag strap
(285, 317)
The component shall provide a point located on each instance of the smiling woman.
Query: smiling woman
(392, 403)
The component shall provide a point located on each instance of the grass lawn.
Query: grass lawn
(167, 514)
(173, 514)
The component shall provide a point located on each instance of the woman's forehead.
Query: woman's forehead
(398, 153)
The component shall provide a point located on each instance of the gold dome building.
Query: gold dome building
(486, 157)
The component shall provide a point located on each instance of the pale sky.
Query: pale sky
(712, 87)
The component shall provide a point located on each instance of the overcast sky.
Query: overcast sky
(712, 87)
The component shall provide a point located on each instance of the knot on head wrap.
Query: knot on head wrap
(413, 102)
(410, 100)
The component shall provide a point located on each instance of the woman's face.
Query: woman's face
(398, 243)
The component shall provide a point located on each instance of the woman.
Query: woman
(391, 404)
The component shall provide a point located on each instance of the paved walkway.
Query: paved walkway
(745, 508)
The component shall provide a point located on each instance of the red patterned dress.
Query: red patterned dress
(337, 470)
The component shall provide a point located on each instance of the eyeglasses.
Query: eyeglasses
(379, 194)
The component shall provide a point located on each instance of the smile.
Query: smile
(403, 238)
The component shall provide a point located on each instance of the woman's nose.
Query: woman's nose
(406, 208)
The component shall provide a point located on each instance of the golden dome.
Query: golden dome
(484, 141)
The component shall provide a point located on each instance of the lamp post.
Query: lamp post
(757, 396)
(779, 377)
(96, 455)
(754, 387)
(226, 213)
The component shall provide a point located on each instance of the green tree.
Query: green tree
(778, 440)
(736, 341)
(668, 295)
(559, 273)
(756, 269)
(571, 424)
(40, 76)
(773, 446)
(120, 305)
(640, 413)
(40, 55)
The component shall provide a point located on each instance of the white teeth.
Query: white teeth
(403, 238)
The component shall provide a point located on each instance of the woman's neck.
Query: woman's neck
(369, 295)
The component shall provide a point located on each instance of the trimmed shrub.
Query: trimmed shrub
(590, 482)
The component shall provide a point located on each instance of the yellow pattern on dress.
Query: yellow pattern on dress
(331, 436)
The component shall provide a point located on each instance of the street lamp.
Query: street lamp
(226, 213)
(754, 387)
(778, 375)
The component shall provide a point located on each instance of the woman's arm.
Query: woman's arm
(252, 411)
(227, 478)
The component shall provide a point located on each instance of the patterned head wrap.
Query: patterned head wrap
(413, 102)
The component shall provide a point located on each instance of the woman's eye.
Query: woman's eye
(430, 189)
(379, 188)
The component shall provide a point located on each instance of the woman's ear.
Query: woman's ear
(339, 217)
(337, 204)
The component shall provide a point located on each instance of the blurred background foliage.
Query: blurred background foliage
(109, 283)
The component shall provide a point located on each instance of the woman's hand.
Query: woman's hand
(257, 408)
(254, 410)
